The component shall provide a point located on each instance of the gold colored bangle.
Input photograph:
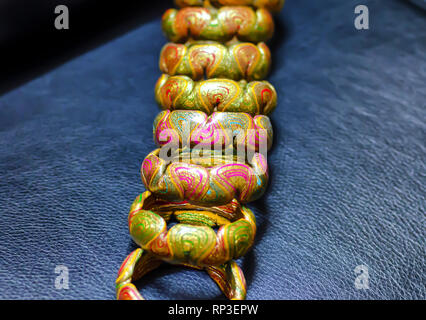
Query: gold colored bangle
(271, 5)
(149, 230)
(214, 60)
(219, 130)
(205, 185)
(207, 250)
(228, 276)
(181, 92)
(220, 25)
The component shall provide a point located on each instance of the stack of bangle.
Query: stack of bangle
(213, 138)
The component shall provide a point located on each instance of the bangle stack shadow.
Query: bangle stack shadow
(212, 82)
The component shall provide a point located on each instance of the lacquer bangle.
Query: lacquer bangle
(194, 245)
(228, 276)
(221, 25)
(181, 92)
(205, 185)
(203, 247)
(199, 60)
(220, 130)
(271, 5)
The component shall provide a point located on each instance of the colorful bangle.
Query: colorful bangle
(135, 266)
(228, 276)
(218, 25)
(194, 245)
(195, 128)
(271, 5)
(181, 92)
(214, 60)
(205, 185)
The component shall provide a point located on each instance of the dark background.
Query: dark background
(347, 166)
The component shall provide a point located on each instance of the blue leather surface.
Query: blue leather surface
(347, 167)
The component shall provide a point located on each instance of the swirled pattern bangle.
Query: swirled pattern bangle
(219, 130)
(271, 5)
(220, 25)
(214, 60)
(198, 184)
(149, 231)
(181, 92)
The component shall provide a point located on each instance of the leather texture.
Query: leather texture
(347, 167)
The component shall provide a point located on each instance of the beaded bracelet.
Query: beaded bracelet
(213, 136)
